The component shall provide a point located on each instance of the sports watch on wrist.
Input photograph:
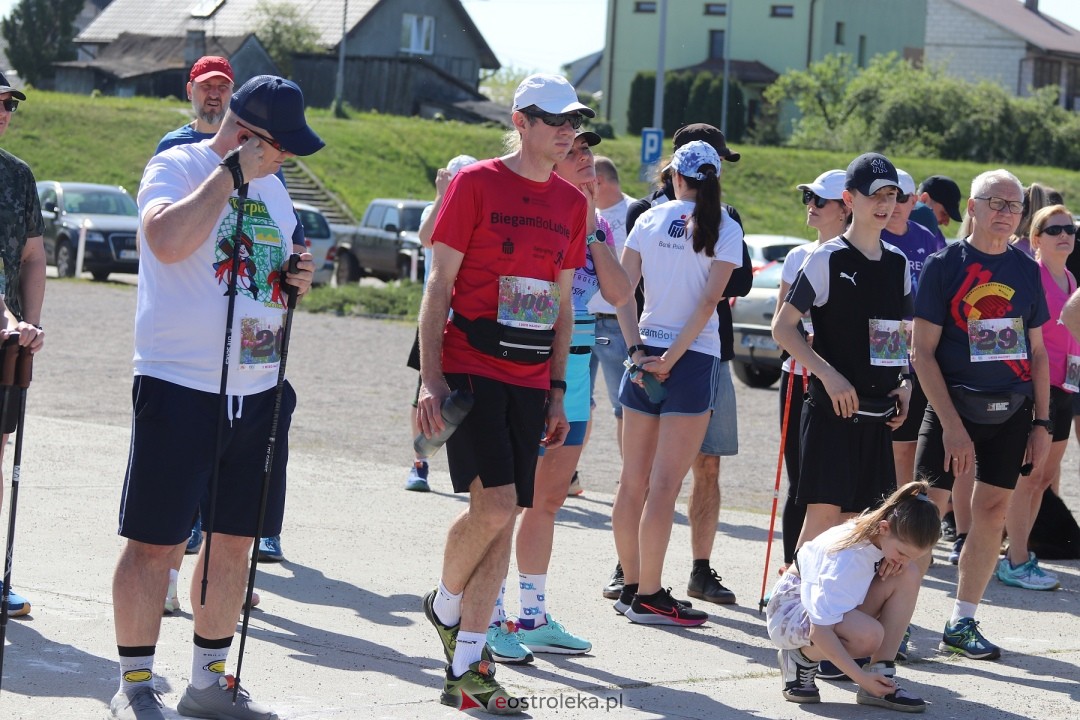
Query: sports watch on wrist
(1043, 423)
(596, 237)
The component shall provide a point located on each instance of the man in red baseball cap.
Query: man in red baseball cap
(209, 88)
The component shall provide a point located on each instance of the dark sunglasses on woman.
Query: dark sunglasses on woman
(11, 104)
(809, 196)
(1058, 229)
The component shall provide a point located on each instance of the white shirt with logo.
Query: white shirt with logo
(676, 276)
(182, 306)
(616, 218)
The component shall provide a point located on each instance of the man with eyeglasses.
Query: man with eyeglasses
(506, 242)
(22, 259)
(209, 88)
(978, 348)
(191, 200)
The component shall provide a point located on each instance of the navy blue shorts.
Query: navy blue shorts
(691, 386)
(171, 456)
(499, 440)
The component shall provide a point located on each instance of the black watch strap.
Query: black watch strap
(558, 385)
(1044, 422)
(231, 162)
(633, 349)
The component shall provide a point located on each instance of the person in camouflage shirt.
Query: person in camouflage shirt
(22, 260)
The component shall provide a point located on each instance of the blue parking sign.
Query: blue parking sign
(652, 140)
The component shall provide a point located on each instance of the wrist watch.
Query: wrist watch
(596, 237)
(1043, 423)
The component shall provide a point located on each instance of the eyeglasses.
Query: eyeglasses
(11, 104)
(809, 196)
(265, 138)
(1056, 230)
(557, 120)
(1016, 207)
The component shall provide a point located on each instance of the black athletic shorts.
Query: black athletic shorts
(999, 450)
(413, 360)
(843, 463)
(500, 437)
(1061, 413)
(172, 453)
(909, 431)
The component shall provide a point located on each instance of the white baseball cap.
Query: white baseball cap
(828, 185)
(907, 183)
(551, 93)
(457, 163)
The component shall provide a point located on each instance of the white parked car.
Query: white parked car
(320, 242)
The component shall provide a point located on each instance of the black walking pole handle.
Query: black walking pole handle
(24, 367)
(291, 290)
(9, 355)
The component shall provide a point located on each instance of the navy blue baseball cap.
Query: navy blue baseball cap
(277, 106)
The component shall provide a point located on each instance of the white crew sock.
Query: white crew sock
(469, 647)
(533, 600)
(447, 606)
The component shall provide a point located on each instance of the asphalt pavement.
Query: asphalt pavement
(340, 632)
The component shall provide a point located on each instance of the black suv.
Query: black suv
(111, 220)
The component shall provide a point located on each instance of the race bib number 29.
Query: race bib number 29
(997, 339)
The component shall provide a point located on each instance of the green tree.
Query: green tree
(284, 32)
(819, 93)
(500, 85)
(38, 34)
(639, 114)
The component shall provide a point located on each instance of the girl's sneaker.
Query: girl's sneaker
(900, 699)
(797, 674)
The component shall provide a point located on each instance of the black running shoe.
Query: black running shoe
(614, 587)
(705, 585)
(662, 609)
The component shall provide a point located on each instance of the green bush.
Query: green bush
(400, 300)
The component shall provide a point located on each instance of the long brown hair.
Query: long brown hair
(911, 515)
(708, 211)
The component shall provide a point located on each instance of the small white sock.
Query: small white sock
(533, 600)
(469, 647)
(498, 613)
(447, 606)
(208, 663)
(962, 609)
(135, 672)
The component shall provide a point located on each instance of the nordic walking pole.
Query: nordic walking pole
(268, 464)
(223, 395)
(776, 488)
(16, 369)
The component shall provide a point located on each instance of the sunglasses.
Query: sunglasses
(11, 104)
(557, 120)
(997, 204)
(266, 139)
(1056, 230)
(809, 196)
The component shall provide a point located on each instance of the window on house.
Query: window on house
(716, 8)
(716, 44)
(644, 7)
(839, 40)
(418, 34)
(782, 11)
(206, 8)
(1047, 72)
(862, 51)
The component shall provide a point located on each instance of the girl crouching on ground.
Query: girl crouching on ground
(851, 594)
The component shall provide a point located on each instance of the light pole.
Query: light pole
(339, 90)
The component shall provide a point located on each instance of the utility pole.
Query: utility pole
(658, 92)
(339, 90)
(727, 69)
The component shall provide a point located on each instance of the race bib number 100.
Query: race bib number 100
(528, 303)
(997, 339)
(888, 343)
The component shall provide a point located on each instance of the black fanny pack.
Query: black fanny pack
(508, 343)
(985, 408)
(871, 410)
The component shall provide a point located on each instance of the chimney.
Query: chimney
(1032, 5)
(194, 46)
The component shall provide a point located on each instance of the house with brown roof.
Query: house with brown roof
(1009, 42)
(402, 56)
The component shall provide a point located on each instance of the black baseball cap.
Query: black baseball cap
(943, 190)
(589, 136)
(6, 88)
(705, 133)
(277, 106)
(870, 172)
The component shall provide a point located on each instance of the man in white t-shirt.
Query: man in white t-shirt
(613, 204)
(189, 210)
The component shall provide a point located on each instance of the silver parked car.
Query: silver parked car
(319, 239)
(757, 356)
(765, 249)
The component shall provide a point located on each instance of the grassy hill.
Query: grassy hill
(101, 139)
